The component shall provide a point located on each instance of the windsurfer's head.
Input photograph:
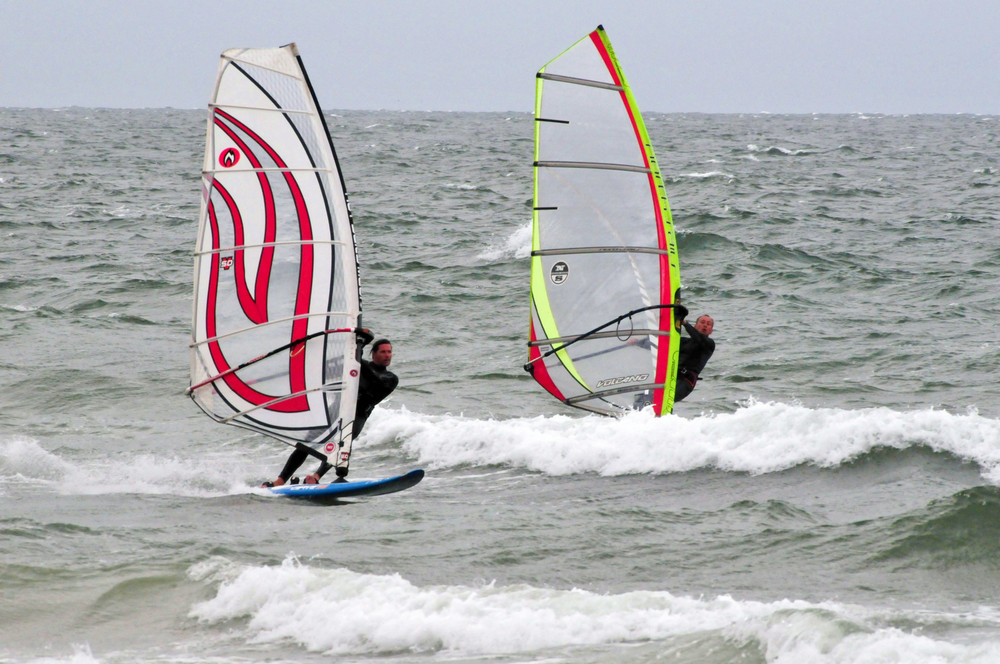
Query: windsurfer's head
(704, 324)
(382, 352)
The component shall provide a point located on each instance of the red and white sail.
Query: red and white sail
(276, 298)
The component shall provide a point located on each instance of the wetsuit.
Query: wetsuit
(375, 384)
(693, 356)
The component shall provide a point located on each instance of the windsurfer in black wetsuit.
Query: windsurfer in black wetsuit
(375, 384)
(694, 352)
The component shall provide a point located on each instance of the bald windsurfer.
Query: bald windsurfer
(693, 354)
(695, 351)
(375, 384)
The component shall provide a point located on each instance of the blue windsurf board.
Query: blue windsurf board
(375, 487)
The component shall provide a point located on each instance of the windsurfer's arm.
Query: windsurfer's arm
(365, 336)
(703, 341)
(705, 345)
(694, 333)
(370, 377)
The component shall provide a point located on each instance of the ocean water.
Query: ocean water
(830, 493)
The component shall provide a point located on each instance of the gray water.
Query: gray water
(829, 493)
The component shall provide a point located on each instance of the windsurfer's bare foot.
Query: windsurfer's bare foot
(277, 482)
(311, 479)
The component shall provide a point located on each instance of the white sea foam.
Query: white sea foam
(24, 308)
(708, 174)
(517, 245)
(777, 149)
(25, 460)
(341, 612)
(757, 438)
(81, 655)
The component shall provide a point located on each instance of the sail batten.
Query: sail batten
(604, 268)
(262, 109)
(263, 245)
(276, 401)
(231, 333)
(275, 272)
(284, 170)
(581, 81)
(602, 395)
(592, 164)
(597, 335)
(565, 251)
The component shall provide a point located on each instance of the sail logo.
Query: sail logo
(621, 380)
(330, 447)
(229, 157)
(226, 262)
(559, 273)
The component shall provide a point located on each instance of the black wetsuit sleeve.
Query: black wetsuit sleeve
(694, 333)
(698, 351)
(376, 384)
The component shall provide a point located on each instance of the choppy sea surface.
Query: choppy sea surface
(830, 493)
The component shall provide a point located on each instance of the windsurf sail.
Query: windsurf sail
(605, 279)
(276, 301)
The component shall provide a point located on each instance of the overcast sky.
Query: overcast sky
(779, 56)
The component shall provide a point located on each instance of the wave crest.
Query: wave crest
(757, 438)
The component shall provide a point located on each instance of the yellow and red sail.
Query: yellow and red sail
(603, 242)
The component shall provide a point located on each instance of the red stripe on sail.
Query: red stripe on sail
(234, 382)
(255, 306)
(538, 370)
(297, 361)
